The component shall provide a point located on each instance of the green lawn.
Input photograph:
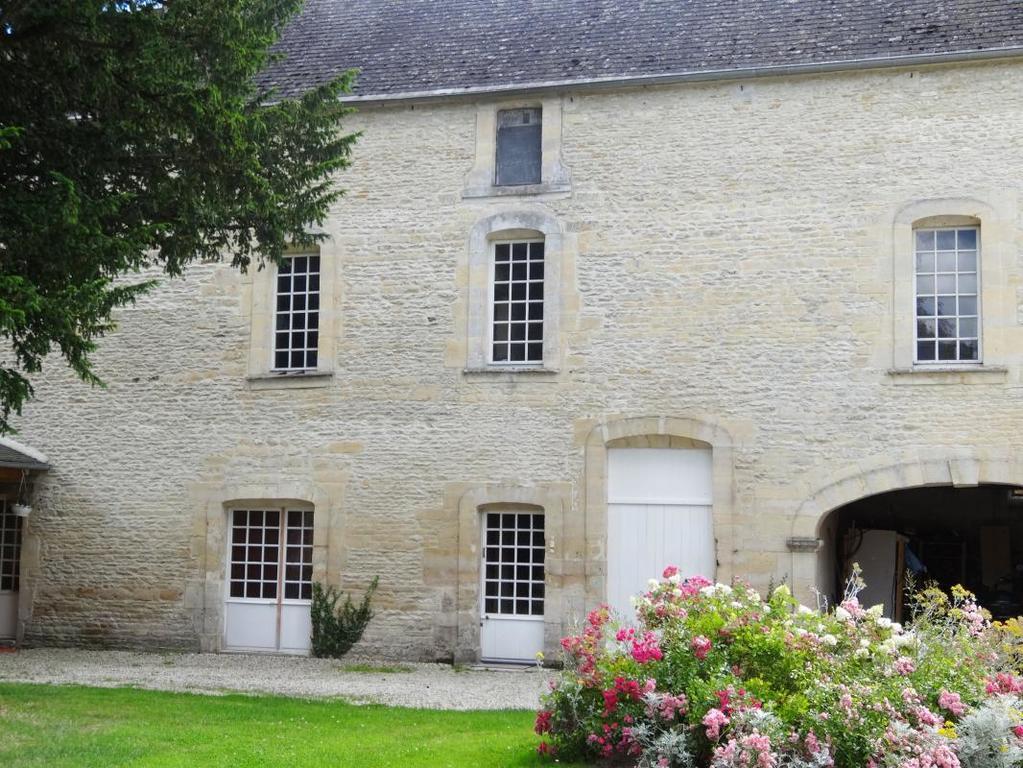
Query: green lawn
(52, 726)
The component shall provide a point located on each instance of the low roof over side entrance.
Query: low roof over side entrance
(14, 455)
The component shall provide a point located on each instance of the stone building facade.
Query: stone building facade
(729, 266)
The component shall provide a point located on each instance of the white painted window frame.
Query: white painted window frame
(275, 313)
(979, 294)
(11, 532)
(510, 510)
(491, 286)
(281, 556)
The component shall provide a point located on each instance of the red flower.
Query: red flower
(543, 722)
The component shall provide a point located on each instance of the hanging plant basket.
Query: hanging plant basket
(21, 510)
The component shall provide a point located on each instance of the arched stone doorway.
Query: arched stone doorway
(655, 433)
(967, 534)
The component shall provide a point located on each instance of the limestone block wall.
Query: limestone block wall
(727, 275)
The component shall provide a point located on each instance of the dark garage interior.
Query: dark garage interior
(971, 536)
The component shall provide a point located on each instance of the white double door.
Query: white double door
(269, 581)
(514, 551)
(659, 513)
(10, 565)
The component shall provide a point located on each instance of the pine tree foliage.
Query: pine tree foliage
(135, 134)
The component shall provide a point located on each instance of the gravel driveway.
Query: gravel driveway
(433, 686)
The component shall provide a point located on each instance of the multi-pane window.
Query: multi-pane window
(513, 564)
(947, 295)
(297, 314)
(260, 565)
(517, 308)
(10, 549)
(519, 150)
(298, 555)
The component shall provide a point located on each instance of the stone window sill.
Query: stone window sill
(510, 372)
(521, 190)
(949, 374)
(290, 380)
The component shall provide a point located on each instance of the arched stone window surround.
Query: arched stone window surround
(552, 500)
(207, 594)
(519, 222)
(680, 431)
(956, 467)
(996, 217)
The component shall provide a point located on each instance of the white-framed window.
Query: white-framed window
(519, 147)
(10, 548)
(271, 554)
(297, 314)
(513, 564)
(517, 302)
(947, 295)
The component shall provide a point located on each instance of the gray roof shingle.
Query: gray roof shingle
(414, 46)
(11, 456)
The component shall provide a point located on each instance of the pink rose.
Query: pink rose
(951, 702)
(701, 646)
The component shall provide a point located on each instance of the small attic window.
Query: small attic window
(518, 146)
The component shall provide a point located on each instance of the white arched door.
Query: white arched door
(659, 513)
(513, 583)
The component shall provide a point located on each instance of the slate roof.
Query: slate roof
(413, 46)
(12, 455)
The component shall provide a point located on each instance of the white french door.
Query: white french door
(10, 564)
(659, 513)
(511, 628)
(269, 581)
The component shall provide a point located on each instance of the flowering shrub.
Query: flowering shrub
(715, 676)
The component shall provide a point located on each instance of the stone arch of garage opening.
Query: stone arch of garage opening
(945, 519)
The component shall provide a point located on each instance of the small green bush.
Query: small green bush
(336, 630)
